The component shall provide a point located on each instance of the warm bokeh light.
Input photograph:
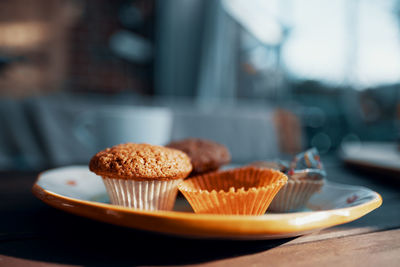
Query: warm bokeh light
(23, 35)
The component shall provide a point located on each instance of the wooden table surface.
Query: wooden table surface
(34, 234)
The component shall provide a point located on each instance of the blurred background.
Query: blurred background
(265, 78)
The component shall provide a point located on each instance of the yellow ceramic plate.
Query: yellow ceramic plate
(76, 190)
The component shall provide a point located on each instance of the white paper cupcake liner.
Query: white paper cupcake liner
(144, 195)
(294, 195)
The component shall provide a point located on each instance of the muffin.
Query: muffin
(306, 176)
(141, 176)
(241, 191)
(205, 155)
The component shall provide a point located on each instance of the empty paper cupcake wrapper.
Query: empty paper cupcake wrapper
(244, 191)
(145, 195)
(295, 195)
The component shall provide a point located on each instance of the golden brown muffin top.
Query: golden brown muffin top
(205, 155)
(141, 162)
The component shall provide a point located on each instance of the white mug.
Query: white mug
(112, 125)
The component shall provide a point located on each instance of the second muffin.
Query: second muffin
(141, 176)
(205, 155)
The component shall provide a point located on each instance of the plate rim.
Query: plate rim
(207, 225)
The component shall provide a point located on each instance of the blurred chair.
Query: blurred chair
(19, 147)
(48, 132)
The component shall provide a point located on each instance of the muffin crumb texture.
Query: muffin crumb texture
(141, 162)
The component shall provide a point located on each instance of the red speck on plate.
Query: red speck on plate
(71, 182)
(351, 199)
